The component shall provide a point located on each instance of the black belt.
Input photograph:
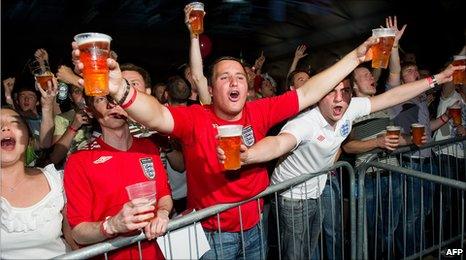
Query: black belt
(416, 160)
(382, 173)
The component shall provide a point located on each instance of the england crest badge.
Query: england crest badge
(148, 168)
(248, 136)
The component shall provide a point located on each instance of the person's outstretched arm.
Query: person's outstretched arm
(320, 84)
(195, 63)
(143, 108)
(410, 90)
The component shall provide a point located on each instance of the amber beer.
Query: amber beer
(43, 79)
(196, 17)
(459, 75)
(94, 49)
(393, 130)
(417, 130)
(455, 114)
(381, 51)
(41, 72)
(230, 141)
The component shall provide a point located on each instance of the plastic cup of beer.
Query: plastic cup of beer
(41, 72)
(230, 142)
(393, 130)
(455, 114)
(142, 194)
(381, 51)
(417, 130)
(459, 75)
(196, 17)
(95, 49)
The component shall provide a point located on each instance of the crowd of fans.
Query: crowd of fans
(65, 164)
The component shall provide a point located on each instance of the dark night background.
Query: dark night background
(152, 33)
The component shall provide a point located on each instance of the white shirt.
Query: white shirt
(35, 232)
(447, 130)
(317, 145)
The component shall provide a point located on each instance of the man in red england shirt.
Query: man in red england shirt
(208, 183)
(98, 207)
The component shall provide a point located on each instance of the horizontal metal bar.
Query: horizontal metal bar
(421, 175)
(193, 217)
(433, 248)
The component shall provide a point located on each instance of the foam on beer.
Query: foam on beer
(84, 38)
(417, 125)
(393, 128)
(230, 130)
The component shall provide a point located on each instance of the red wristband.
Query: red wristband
(102, 229)
(131, 100)
(72, 129)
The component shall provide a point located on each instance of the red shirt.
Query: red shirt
(208, 183)
(95, 181)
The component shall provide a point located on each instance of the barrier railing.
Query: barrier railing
(274, 190)
(414, 190)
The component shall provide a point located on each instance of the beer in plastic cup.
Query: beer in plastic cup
(41, 72)
(94, 48)
(381, 51)
(230, 141)
(144, 192)
(459, 75)
(196, 17)
(393, 130)
(455, 114)
(417, 130)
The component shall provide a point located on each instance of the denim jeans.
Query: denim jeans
(331, 208)
(300, 222)
(229, 245)
(413, 224)
(383, 204)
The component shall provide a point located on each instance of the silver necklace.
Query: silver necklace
(12, 188)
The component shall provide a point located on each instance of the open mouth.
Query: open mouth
(117, 116)
(337, 110)
(233, 95)
(8, 143)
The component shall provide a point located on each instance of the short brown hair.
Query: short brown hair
(145, 75)
(212, 66)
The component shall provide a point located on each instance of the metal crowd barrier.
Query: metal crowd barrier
(414, 208)
(272, 192)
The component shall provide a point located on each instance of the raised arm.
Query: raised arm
(142, 107)
(319, 85)
(8, 85)
(395, 67)
(410, 90)
(298, 55)
(47, 124)
(195, 62)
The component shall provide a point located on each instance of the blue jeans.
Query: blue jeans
(413, 206)
(300, 222)
(331, 208)
(383, 204)
(229, 245)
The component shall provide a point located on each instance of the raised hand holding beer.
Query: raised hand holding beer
(115, 78)
(94, 51)
(364, 51)
(194, 18)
